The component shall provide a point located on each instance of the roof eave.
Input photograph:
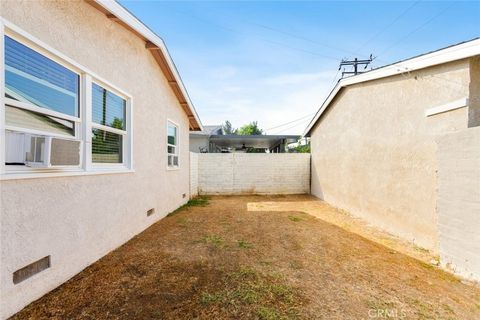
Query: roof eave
(156, 46)
(449, 54)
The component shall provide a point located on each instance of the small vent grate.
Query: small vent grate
(150, 212)
(31, 270)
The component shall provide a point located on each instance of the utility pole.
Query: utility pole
(355, 63)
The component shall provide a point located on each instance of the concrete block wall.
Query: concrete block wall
(458, 201)
(193, 174)
(253, 173)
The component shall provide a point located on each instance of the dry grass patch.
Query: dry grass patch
(214, 259)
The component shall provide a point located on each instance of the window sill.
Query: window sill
(173, 168)
(16, 175)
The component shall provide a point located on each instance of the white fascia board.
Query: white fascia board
(457, 104)
(126, 17)
(453, 53)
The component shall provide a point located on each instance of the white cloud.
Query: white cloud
(271, 101)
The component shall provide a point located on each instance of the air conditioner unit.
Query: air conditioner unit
(51, 152)
(173, 160)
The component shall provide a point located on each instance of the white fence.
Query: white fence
(250, 173)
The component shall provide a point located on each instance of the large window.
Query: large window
(58, 115)
(172, 145)
(109, 127)
(36, 80)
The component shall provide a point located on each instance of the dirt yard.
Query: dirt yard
(222, 261)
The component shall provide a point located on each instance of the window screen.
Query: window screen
(108, 109)
(33, 78)
(106, 147)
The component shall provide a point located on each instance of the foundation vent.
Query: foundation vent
(31, 270)
(150, 212)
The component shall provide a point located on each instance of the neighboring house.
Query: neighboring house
(200, 140)
(400, 147)
(212, 139)
(301, 142)
(94, 124)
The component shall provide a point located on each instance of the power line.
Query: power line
(258, 36)
(291, 127)
(416, 29)
(284, 124)
(380, 32)
(302, 38)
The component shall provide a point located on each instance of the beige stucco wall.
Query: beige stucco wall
(474, 99)
(458, 204)
(77, 220)
(374, 150)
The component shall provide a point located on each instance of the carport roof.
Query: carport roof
(253, 141)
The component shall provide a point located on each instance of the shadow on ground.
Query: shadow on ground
(221, 261)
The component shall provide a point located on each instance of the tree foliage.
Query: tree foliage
(249, 129)
(302, 149)
(228, 128)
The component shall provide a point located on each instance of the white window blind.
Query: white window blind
(109, 126)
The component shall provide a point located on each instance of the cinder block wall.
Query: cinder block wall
(253, 173)
(193, 174)
(458, 203)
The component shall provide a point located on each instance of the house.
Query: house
(400, 147)
(200, 140)
(212, 139)
(94, 124)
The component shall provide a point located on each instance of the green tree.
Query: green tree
(302, 149)
(228, 128)
(249, 129)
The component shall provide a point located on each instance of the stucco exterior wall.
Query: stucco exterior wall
(76, 220)
(458, 204)
(253, 173)
(374, 150)
(474, 99)
(197, 142)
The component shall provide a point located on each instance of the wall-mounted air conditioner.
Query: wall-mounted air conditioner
(51, 152)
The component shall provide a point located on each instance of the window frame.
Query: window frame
(83, 123)
(123, 133)
(177, 146)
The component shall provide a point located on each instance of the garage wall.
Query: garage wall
(374, 150)
(458, 204)
(253, 173)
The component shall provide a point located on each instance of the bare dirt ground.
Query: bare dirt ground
(223, 261)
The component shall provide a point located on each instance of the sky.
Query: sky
(276, 61)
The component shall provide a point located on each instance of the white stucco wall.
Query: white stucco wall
(458, 204)
(76, 220)
(197, 142)
(374, 150)
(253, 173)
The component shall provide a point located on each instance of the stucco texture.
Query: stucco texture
(76, 220)
(374, 150)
